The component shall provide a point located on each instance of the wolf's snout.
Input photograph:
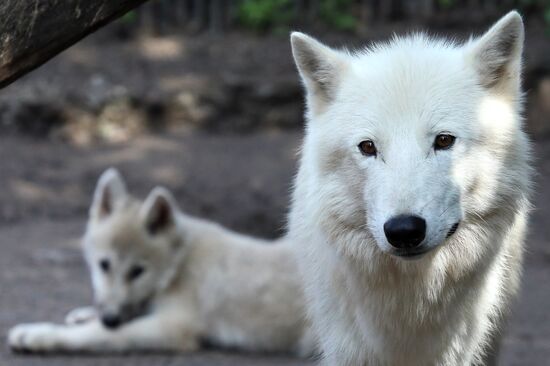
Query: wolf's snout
(111, 321)
(405, 231)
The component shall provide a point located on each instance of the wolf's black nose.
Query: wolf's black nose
(111, 321)
(405, 231)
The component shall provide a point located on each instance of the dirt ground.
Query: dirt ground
(241, 181)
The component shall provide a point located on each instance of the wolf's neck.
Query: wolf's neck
(200, 243)
(175, 277)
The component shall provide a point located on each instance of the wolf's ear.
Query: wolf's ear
(320, 68)
(109, 192)
(497, 54)
(159, 211)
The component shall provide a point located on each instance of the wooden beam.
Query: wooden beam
(34, 31)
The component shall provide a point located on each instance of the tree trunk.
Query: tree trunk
(33, 31)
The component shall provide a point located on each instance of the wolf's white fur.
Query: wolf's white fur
(368, 306)
(202, 282)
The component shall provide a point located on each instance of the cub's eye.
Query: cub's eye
(105, 265)
(444, 141)
(367, 148)
(135, 272)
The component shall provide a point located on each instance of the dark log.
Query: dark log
(33, 31)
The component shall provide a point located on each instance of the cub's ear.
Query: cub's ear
(320, 68)
(497, 54)
(159, 211)
(110, 191)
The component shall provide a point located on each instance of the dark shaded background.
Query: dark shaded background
(203, 97)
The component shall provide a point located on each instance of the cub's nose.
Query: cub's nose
(405, 231)
(111, 321)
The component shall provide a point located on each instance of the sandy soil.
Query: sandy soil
(241, 181)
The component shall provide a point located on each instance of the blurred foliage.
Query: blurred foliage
(547, 17)
(279, 14)
(130, 17)
(338, 14)
(537, 6)
(264, 14)
(446, 3)
(523, 6)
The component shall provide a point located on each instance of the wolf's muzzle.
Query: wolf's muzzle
(111, 321)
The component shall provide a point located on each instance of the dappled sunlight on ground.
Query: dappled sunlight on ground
(165, 48)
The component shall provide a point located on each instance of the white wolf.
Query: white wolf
(166, 281)
(410, 203)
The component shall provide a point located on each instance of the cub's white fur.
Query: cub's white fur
(166, 281)
(369, 305)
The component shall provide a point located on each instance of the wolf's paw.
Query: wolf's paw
(81, 315)
(37, 337)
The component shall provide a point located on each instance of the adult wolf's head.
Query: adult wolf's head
(131, 248)
(410, 141)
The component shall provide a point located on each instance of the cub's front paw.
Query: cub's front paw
(81, 315)
(37, 337)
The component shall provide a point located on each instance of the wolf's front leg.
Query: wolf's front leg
(145, 334)
(81, 315)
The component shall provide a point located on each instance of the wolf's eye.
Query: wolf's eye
(135, 272)
(367, 148)
(444, 141)
(105, 265)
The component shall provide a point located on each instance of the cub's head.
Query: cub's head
(411, 141)
(131, 248)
